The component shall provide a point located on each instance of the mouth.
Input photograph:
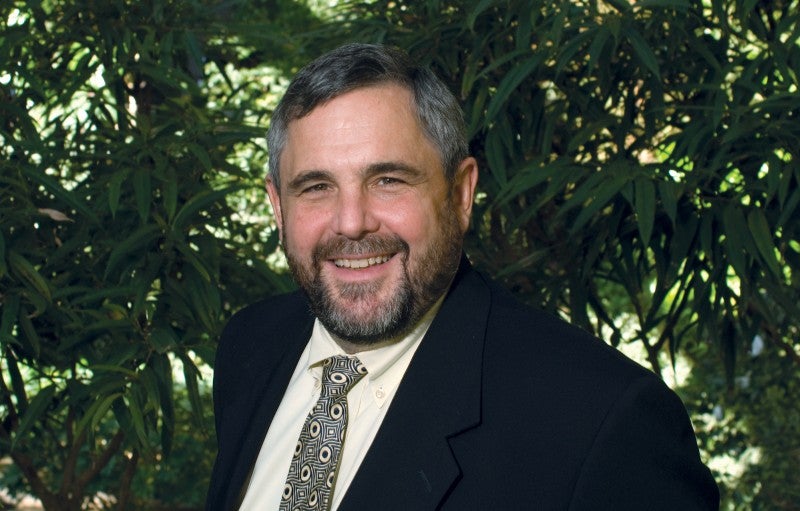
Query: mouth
(361, 263)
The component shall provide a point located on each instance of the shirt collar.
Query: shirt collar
(385, 365)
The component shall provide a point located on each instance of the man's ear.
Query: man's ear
(464, 183)
(275, 200)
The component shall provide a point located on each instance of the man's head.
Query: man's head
(372, 190)
(354, 66)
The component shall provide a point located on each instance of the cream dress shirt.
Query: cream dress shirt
(367, 403)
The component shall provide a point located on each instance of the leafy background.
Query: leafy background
(639, 177)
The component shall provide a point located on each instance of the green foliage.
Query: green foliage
(750, 427)
(640, 163)
(640, 175)
(647, 147)
(122, 250)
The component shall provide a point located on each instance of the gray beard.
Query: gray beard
(418, 289)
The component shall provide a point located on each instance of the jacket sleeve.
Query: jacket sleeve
(645, 457)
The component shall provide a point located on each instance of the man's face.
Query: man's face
(371, 227)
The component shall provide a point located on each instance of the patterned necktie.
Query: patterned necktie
(312, 474)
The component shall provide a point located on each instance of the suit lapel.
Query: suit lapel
(410, 464)
(267, 389)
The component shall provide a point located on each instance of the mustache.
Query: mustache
(372, 244)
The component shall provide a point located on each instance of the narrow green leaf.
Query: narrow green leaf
(599, 197)
(169, 191)
(199, 202)
(595, 51)
(17, 383)
(143, 236)
(201, 154)
(147, 378)
(192, 258)
(707, 236)
(680, 5)
(23, 269)
(96, 412)
(735, 229)
(143, 192)
(191, 374)
(137, 418)
(34, 344)
(163, 372)
(3, 266)
(163, 339)
(8, 318)
(114, 369)
(762, 235)
(115, 190)
(668, 192)
(643, 50)
(621, 5)
(645, 204)
(477, 11)
(510, 82)
(570, 49)
(38, 406)
(195, 51)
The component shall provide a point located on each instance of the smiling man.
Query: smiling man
(398, 378)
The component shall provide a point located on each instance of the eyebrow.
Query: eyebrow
(391, 166)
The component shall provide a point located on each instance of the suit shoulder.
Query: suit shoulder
(269, 311)
(253, 328)
(553, 345)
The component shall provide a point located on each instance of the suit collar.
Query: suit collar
(266, 391)
(410, 464)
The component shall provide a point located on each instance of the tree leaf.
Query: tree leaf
(8, 318)
(37, 407)
(142, 237)
(198, 202)
(642, 50)
(760, 230)
(23, 269)
(143, 193)
(645, 204)
(510, 82)
(96, 412)
(191, 375)
(735, 229)
(3, 266)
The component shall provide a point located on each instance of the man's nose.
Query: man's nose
(354, 216)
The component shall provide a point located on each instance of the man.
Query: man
(456, 396)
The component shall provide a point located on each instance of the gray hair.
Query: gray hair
(356, 65)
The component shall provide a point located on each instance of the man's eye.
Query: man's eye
(387, 181)
(319, 187)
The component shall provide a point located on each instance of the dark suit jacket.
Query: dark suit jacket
(502, 407)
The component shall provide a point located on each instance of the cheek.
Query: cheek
(302, 233)
(415, 224)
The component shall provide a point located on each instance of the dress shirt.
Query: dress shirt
(367, 403)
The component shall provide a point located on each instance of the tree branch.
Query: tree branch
(100, 462)
(124, 493)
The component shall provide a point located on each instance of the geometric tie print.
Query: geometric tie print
(312, 474)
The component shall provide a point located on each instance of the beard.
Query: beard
(349, 310)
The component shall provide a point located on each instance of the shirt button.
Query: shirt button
(379, 394)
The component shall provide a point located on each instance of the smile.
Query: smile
(358, 264)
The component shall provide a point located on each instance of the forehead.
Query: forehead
(363, 126)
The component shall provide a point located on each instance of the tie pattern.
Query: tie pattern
(312, 474)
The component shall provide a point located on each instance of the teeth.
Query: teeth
(360, 263)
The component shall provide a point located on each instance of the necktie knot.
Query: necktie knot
(339, 374)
